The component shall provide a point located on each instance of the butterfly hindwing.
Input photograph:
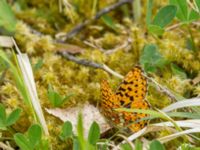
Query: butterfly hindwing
(109, 102)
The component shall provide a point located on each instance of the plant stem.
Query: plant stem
(3, 74)
(136, 10)
(94, 7)
(5, 138)
(192, 38)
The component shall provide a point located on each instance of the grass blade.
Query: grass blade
(149, 12)
(183, 103)
(178, 134)
(27, 74)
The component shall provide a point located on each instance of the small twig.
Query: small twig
(179, 24)
(80, 26)
(192, 6)
(126, 139)
(80, 61)
(173, 26)
(89, 63)
(120, 46)
(197, 23)
(5, 147)
(110, 8)
(124, 45)
(93, 46)
(107, 69)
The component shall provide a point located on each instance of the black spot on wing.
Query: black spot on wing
(119, 93)
(122, 89)
(126, 95)
(121, 102)
(136, 91)
(129, 88)
(131, 98)
(125, 82)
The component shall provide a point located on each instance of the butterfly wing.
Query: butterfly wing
(131, 94)
(108, 103)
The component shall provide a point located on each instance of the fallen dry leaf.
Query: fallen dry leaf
(71, 49)
(89, 114)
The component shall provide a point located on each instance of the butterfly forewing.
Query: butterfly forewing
(130, 94)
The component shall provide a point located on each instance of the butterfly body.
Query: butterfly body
(131, 94)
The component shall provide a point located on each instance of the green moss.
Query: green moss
(84, 82)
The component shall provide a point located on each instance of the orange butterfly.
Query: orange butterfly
(130, 94)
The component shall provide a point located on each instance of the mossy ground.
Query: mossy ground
(68, 77)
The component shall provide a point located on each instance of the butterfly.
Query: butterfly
(131, 94)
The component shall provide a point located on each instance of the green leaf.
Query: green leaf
(94, 133)
(182, 9)
(125, 147)
(165, 16)
(22, 142)
(34, 134)
(38, 65)
(138, 145)
(154, 29)
(54, 97)
(190, 44)
(44, 145)
(66, 98)
(151, 59)
(7, 18)
(13, 117)
(3, 65)
(90, 147)
(149, 12)
(193, 16)
(156, 145)
(16, 76)
(109, 22)
(2, 116)
(178, 71)
(197, 2)
(76, 145)
(104, 146)
(80, 132)
(57, 99)
(66, 131)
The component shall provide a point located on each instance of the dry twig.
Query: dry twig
(89, 64)
(124, 45)
(5, 147)
(173, 26)
(80, 26)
